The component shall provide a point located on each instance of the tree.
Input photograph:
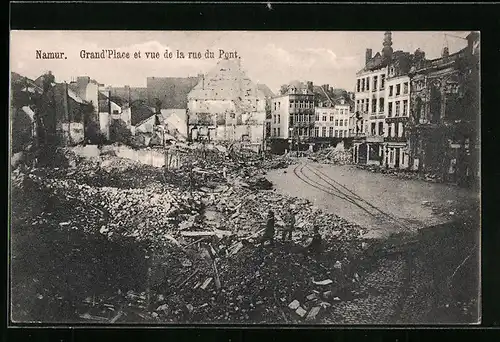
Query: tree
(119, 132)
(284, 89)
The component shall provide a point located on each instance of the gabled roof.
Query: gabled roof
(32, 87)
(180, 113)
(139, 112)
(75, 97)
(265, 90)
(171, 91)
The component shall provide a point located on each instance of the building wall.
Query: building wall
(366, 94)
(332, 121)
(229, 99)
(280, 113)
(74, 130)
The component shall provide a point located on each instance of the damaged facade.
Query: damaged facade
(370, 105)
(443, 129)
(226, 105)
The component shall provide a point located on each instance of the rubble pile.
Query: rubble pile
(333, 156)
(203, 251)
(401, 173)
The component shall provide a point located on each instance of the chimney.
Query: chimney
(368, 55)
(445, 53)
(81, 84)
(310, 86)
(387, 43)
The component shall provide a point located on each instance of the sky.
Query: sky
(273, 57)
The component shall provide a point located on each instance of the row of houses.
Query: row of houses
(419, 114)
(307, 116)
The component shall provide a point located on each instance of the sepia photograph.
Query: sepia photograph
(244, 177)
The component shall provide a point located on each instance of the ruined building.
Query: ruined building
(443, 130)
(226, 105)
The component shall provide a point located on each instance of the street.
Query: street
(368, 199)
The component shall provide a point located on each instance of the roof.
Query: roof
(171, 91)
(265, 90)
(32, 87)
(139, 112)
(180, 113)
(144, 120)
(29, 112)
(75, 97)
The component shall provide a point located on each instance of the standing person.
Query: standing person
(315, 246)
(269, 232)
(290, 224)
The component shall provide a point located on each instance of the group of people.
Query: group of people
(270, 231)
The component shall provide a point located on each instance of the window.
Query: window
(380, 128)
(316, 131)
(405, 107)
(274, 118)
(345, 122)
(373, 128)
(389, 130)
(331, 118)
(279, 118)
(323, 131)
(400, 129)
(336, 122)
(279, 105)
(368, 83)
(357, 105)
(390, 109)
(397, 108)
(275, 105)
(278, 131)
(363, 84)
(358, 85)
(291, 119)
(336, 133)
(391, 89)
(324, 117)
(405, 88)
(398, 89)
(381, 105)
(374, 105)
(317, 117)
(375, 79)
(341, 122)
(291, 104)
(330, 131)
(115, 111)
(345, 133)
(396, 131)
(382, 82)
(274, 132)
(366, 105)
(341, 134)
